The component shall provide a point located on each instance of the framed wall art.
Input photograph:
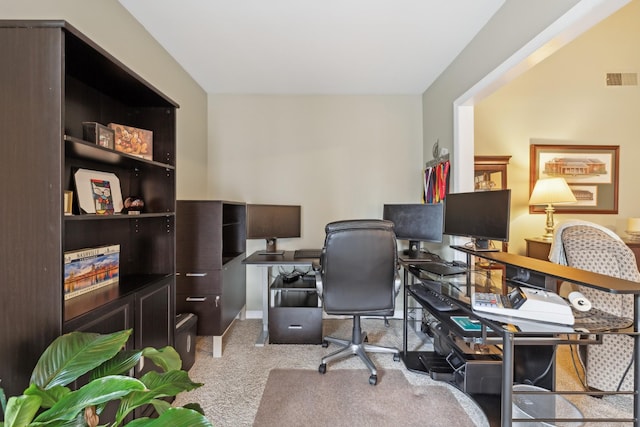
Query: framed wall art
(98, 192)
(590, 170)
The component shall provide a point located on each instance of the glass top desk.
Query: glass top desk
(522, 345)
(268, 262)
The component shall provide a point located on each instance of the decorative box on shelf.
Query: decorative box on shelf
(88, 269)
(134, 141)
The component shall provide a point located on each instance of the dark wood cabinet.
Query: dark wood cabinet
(210, 277)
(52, 80)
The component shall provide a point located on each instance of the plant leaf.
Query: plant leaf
(120, 364)
(174, 417)
(49, 397)
(96, 392)
(157, 385)
(21, 410)
(71, 355)
(166, 358)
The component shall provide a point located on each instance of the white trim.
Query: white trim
(576, 21)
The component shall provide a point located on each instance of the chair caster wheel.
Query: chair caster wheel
(323, 369)
(325, 344)
(396, 357)
(373, 379)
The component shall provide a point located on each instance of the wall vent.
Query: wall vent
(622, 79)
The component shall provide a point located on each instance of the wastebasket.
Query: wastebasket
(185, 337)
(543, 405)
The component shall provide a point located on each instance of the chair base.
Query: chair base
(357, 346)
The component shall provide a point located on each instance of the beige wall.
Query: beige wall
(339, 157)
(564, 99)
(111, 26)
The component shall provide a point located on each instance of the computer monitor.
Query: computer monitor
(415, 223)
(271, 222)
(480, 215)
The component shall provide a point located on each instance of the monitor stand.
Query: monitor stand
(271, 248)
(414, 249)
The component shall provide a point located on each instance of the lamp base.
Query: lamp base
(549, 210)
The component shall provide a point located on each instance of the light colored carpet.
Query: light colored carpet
(342, 398)
(234, 383)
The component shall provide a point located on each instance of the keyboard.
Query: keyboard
(440, 268)
(307, 253)
(433, 298)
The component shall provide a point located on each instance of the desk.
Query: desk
(536, 333)
(268, 262)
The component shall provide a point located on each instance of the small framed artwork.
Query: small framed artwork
(98, 192)
(590, 170)
(99, 134)
(68, 202)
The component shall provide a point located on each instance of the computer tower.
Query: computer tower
(185, 337)
(476, 373)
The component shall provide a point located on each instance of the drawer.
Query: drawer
(295, 325)
(199, 282)
(207, 307)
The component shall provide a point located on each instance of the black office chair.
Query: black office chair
(358, 276)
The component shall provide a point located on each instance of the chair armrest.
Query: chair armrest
(319, 288)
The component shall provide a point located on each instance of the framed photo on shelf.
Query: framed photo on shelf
(590, 170)
(68, 202)
(99, 134)
(98, 192)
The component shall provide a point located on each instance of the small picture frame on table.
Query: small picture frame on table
(68, 202)
(99, 134)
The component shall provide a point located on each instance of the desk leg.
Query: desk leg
(264, 335)
(507, 380)
(405, 313)
(636, 357)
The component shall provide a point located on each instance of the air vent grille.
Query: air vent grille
(622, 79)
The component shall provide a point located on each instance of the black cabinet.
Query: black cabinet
(295, 312)
(210, 277)
(53, 79)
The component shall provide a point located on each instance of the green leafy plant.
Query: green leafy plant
(48, 401)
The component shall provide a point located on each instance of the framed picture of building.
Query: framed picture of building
(590, 170)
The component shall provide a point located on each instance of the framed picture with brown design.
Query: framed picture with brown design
(590, 170)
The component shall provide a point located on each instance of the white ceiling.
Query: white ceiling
(313, 46)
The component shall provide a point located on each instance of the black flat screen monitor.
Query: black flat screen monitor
(480, 215)
(415, 223)
(271, 222)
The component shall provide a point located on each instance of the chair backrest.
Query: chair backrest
(359, 264)
(591, 249)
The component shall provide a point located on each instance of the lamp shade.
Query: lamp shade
(551, 191)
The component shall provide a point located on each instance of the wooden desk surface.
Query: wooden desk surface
(258, 258)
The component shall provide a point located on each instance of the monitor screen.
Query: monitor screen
(415, 223)
(271, 222)
(481, 215)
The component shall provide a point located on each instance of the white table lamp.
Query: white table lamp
(549, 192)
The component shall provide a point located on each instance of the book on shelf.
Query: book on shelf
(88, 269)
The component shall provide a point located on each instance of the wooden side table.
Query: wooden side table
(539, 248)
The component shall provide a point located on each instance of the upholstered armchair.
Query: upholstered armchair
(593, 248)
(358, 276)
